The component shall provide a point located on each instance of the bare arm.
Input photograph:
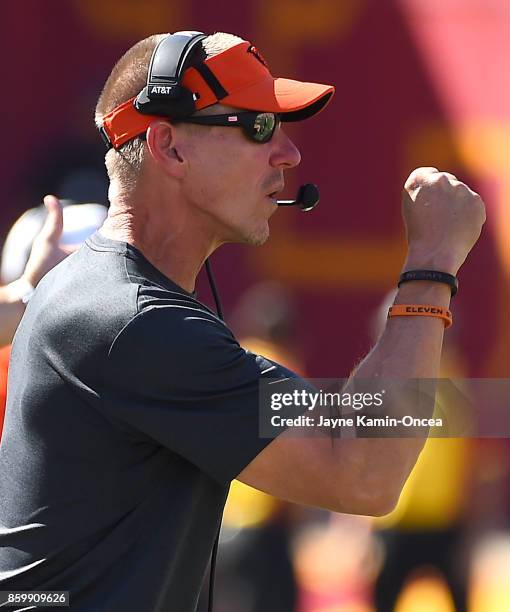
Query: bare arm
(365, 475)
(11, 311)
(45, 254)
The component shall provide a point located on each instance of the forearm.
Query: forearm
(364, 475)
(11, 310)
(409, 348)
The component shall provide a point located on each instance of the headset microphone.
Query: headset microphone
(307, 198)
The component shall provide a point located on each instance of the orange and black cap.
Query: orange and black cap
(238, 77)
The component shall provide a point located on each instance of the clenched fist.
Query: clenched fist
(443, 219)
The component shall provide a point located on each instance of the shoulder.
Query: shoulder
(174, 335)
(165, 316)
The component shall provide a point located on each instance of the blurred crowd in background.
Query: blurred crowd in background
(420, 83)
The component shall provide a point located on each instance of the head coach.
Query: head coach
(131, 406)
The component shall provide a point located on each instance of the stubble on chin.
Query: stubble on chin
(257, 238)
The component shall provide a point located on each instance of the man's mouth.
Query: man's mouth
(274, 194)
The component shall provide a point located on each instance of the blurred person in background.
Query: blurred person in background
(63, 224)
(145, 392)
(41, 238)
(33, 259)
(266, 321)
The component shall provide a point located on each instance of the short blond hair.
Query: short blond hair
(126, 80)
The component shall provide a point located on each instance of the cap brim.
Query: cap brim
(295, 100)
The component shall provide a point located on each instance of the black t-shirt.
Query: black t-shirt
(130, 409)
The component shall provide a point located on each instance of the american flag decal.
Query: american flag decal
(258, 55)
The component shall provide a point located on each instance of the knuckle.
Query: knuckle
(411, 181)
(418, 175)
(461, 188)
(451, 176)
(441, 178)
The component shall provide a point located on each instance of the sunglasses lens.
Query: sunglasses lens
(264, 126)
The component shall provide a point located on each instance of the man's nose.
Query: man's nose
(285, 154)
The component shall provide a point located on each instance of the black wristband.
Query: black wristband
(430, 275)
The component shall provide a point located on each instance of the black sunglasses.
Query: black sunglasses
(259, 127)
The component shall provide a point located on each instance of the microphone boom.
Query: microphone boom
(307, 198)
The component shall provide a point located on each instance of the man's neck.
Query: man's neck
(172, 244)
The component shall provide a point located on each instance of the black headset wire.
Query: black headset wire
(214, 291)
(214, 553)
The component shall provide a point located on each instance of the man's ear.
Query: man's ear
(163, 145)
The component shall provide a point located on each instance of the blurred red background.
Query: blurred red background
(419, 82)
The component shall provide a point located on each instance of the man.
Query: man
(137, 407)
